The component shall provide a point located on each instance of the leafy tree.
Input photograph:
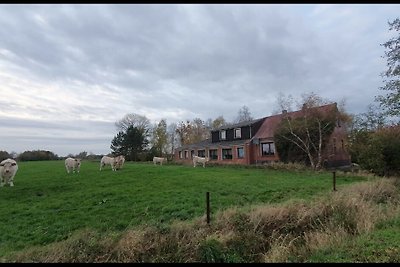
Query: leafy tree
(135, 142)
(381, 152)
(159, 138)
(81, 155)
(391, 101)
(93, 156)
(37, 155)
(362, 129)
(118, 144)
(4, 155)
(218, 122)
(130, 143)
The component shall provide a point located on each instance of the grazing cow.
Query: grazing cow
(197, 159)
(120, 160)
(159, 160)
(73, 165)
(108, 160)
(8, 169)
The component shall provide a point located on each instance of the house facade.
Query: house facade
(252, 142)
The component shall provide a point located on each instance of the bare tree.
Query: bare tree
(183, 131)
(190, 132)
(311, 100)
(243, 115)
(138, 121)
(284, 103)
(200, 131)
(309, 131)
(173, 138)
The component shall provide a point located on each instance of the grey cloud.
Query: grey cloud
(192, 60)
(67, 126)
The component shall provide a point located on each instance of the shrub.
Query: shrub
(381, 153)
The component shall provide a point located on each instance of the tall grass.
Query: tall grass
(147, 213)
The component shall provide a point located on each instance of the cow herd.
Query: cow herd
(9, 167)
(116, 163)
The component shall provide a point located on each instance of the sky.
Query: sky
(68, 72)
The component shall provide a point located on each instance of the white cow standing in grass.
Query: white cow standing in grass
(73, 165)
(197, 159)
(8, 169)
(119, 162)
(159, 160)
(106, 160)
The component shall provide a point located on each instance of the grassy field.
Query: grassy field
(48, 205)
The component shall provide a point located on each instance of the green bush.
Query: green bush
(381, 152)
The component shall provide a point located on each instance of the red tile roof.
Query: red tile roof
(269, 125)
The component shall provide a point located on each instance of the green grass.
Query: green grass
(47, 204)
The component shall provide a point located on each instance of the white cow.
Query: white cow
(8, 169)
(120, 160)
(197, 159)
(159, 160)
(73, 165)
(108, 160)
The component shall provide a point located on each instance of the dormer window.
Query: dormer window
(222, 134)
(238, 133)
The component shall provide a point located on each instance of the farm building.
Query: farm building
(252, 142)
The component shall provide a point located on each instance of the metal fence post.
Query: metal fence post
(334, 180)
(208, 206)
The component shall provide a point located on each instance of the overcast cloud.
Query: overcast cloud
(69, 72)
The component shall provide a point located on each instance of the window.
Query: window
(267, 149)
(226, 153)
(213, 154)
(240, 152)
(201, 153)
(222, 135)
(191, 153)
(180, 154)
(186, 154)
(342, 144)
(238, 133)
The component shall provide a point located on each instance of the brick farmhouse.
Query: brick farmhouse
(252, 142)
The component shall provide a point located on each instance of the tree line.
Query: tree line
(139, 140)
